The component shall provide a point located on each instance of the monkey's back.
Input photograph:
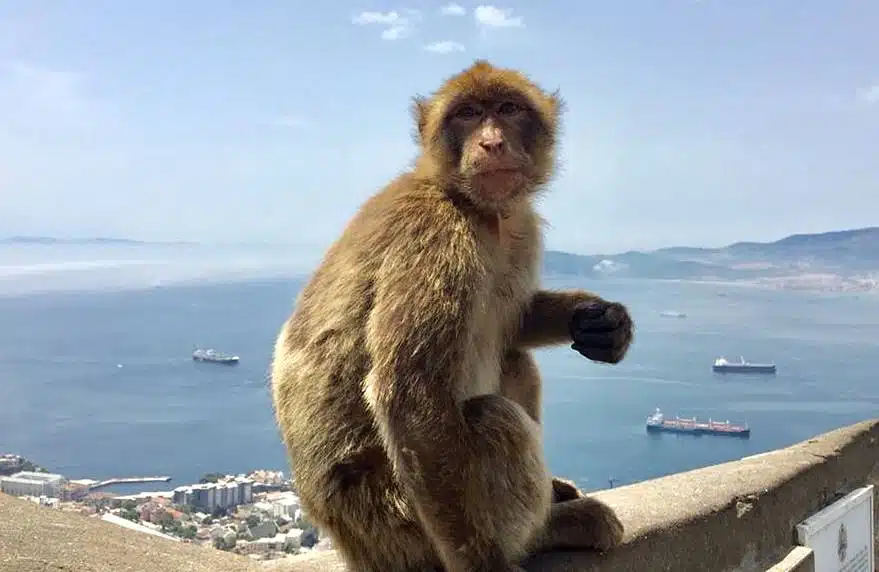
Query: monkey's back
(321, 360)
(321, 356)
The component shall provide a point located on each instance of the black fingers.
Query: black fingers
(601, 331)
(611, 316)
(604, 355)
(595, 339)
(592, 310)
(616, 313)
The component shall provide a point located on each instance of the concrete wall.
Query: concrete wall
(738, 516)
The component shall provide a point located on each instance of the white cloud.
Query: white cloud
(869, 95)
(365, 18)
(453, 9)
(444, 47)
(396, 32)
(492, 17)
(396, 25)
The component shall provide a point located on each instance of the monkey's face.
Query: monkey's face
(492, 142)
(490, 133)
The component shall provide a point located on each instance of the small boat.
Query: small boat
(722, 365)
(658, 423)
(213, 356)
(672, 314)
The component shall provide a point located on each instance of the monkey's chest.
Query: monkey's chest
(497, 325)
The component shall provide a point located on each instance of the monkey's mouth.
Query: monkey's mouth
(496, 169)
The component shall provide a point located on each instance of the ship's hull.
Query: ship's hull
(734, 368)
(698, 429)
(222, 361)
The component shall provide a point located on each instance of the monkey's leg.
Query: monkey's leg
(520, 382)
(373, 520)
(510, 499)
(576, 521)
(581, 523)
(372, 523)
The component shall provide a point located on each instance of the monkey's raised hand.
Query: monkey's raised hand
(601, 330)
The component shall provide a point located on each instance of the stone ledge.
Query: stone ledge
(737, 516)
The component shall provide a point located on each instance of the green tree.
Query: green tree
(129, 514)
(219, 512)
(188, 532)
(308, 538)
(210, 478)
(252, 521)
(163, 519)
(129, 504)
(303, 523)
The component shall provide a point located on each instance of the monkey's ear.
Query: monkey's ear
(419, 114)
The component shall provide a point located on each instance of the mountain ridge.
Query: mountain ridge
(842, 259)
(838, 260)
(97, 240)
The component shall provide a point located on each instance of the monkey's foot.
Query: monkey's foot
(582, 523)
(606, 528)
(564, 490)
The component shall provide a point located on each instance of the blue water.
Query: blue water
(66, 403)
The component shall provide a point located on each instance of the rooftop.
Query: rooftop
(31, 476)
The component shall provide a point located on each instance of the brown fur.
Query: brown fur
(403, 384)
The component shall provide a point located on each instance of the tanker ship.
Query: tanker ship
(722, 365)
(657, 423)
(213, 356)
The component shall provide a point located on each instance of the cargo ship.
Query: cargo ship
(657, 423)
(214, 356)
(722, 365)
(672, 314)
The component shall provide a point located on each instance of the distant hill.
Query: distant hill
(840, 253)
(100, 240)
(837, 260)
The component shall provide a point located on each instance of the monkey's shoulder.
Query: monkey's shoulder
(412, 215)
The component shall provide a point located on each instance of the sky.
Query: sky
(689, 122)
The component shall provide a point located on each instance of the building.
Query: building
(211, 496)
(10, 463)
(27, 483)
(285, 505)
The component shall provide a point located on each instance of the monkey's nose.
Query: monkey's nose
(494, 145)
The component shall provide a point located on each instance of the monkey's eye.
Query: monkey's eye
(467, 112)
(508, 108)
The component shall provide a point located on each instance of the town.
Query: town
(256, 514)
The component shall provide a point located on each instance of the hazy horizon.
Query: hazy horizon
(171, 242)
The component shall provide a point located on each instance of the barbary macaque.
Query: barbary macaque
(403, 383)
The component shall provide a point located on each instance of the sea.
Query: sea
(98, 382)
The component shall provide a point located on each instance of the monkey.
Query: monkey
(403, 382)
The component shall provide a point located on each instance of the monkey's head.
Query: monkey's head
(490, 133)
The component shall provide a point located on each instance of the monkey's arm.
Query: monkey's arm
(547, 319)
(418, 335)
(600, 330)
